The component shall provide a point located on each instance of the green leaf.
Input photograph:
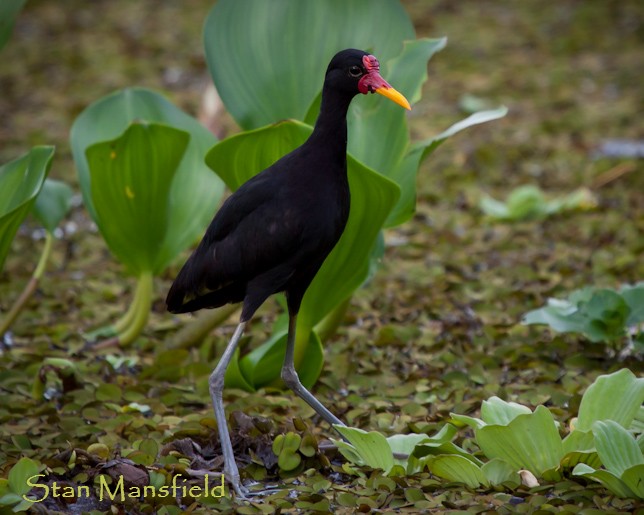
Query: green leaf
(20, 474)
(562, 316)
(459, 469)
(579, 447)
(616, 447)
(285, 447)
(523, 203)
(9, 10)
(530, 441)
(464, 420)
(497, 411)
(261, 366)
(606, 312)
(285, 61)
(52, 204)
(599, 314)
(633, 295)
(499, 472)
(405, 444)
(606, 478)
(372, 447)
(406, 169)
(131, 179)
(429, 145)
(617, 396)
(528, 202)
(20, 183)
(633, 478)
(234, 377)
(195, 190)
(440, 443)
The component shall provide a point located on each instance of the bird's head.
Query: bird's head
(356, 71)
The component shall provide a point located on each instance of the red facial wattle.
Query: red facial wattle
(372, 82)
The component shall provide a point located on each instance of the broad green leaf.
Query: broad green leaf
(633, 477)
(285, 60)
(372, 447)
(20, 183)
(599, 314)
(425, 449)
(405, 444)
(633, 295)
(429, 145)
(562, 316)
(52, 204)
(638, 423)
(459, 469)
(404, 174)
(579, 447)
(20, 474)
(497, 411)
(617, 396)
(195, 190)
(441, 443)
(234, 377)
(310, 368)
(242, 156)
(131, 179)
(530, 441)
(616, 447)
(262, 365)
(9, 10)
(4, 487)
(494, 208)
(498, 472)
(523, 203)
(572, 459)
(464, 420)
(606, 313)
(606, 478)
(528, 202)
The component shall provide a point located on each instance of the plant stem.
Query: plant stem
(328, 326)
(142, 303)
(31, 286)
(193, 332)
(127, 319)
(109, 335)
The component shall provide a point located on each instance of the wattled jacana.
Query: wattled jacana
(273, 234)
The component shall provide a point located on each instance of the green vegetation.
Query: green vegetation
(600, 314)
(422, 351)
(517, 442)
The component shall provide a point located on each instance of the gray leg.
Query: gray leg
(216, 382)
(290, 377)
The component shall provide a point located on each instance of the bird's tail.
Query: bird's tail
(188, 294)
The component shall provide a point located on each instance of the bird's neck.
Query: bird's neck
(330, 129)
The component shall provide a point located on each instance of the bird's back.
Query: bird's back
(271, 235)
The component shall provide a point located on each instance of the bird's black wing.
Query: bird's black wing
(254, 232)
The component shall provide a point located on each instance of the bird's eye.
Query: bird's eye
(355, 71)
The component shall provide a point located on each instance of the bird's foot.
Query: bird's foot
(244, 493)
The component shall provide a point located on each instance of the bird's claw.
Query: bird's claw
(243, 493)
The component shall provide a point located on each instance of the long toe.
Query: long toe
(257, 493)
(241, 492)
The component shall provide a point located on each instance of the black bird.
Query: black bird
(273, 234)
